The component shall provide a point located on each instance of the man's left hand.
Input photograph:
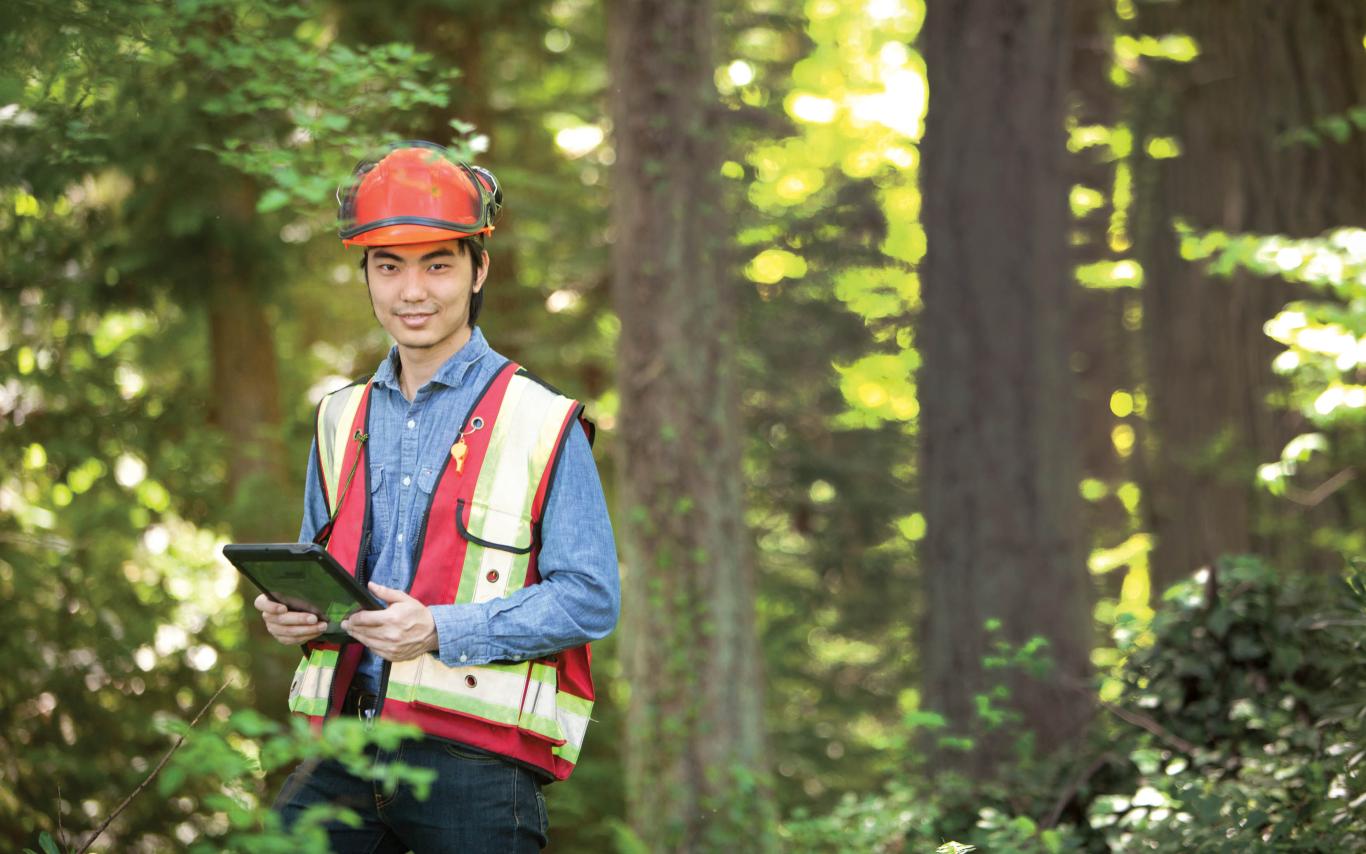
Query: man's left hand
(401, 631)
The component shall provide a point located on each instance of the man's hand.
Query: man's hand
(402, 631)
(286, 626)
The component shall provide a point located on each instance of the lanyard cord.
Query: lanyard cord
(325, 533)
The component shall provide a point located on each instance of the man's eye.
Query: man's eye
(387, 268)
(439, 268)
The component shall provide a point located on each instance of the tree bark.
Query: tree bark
(999, 461)
(694, 732)
(1265, 67)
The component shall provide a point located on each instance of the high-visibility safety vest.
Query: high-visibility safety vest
(478, 541)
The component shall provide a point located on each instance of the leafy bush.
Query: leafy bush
(219, 773)
(1241, 726)
(1253, 693)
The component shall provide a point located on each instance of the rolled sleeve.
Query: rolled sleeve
(579, 597)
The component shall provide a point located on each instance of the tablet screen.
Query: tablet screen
(303, 577)
(303, 586)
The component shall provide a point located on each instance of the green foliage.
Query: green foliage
(1239, 727)
(221, 773)
(1254, 683)
(1323, 332)
(138, 140)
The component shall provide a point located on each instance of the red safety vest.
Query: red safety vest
(478, 541)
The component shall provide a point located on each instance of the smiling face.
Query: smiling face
(421, 296)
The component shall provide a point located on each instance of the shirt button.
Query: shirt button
(464, 657)
(407, 480)
(400, 538)
(411, 423)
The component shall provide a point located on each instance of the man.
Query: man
(463, 490)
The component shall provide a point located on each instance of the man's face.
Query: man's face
(421, 292)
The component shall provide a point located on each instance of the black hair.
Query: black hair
(472, 246)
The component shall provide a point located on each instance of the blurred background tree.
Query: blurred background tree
(1169, 374)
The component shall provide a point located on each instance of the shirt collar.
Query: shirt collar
(451, 372)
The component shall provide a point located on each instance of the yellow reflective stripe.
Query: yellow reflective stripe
(334, 431)
(403, 678)
(526, 432)
(572, 714)
(313, 682)
(538, 709)
(490, 691)
(521, 695)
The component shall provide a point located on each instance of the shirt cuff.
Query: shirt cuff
(462, 635)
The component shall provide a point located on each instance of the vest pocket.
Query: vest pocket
(516, 694)
(493, 528)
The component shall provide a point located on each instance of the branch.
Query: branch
(155, 771)
(1142, 721)
(1071, 791)
(1319, 494)
(1138, 719)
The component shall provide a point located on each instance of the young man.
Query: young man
(463, 490)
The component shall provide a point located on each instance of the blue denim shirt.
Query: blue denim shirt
(578, 598)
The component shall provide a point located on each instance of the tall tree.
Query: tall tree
(1264, 69)
(999, 466)
(694, 736)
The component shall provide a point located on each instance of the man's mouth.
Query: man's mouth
(414, 321)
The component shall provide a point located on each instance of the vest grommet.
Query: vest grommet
(471, 681)
(492, 576)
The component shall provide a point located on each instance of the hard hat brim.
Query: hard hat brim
(406, 233)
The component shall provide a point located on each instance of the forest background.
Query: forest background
(979, 389)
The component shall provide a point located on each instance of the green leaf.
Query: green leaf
(170, 781)
(47, 843)
(272, 200)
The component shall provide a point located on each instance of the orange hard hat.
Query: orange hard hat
(416, 192)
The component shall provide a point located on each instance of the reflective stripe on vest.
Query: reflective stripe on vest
(572, 714)
(520, 694)
(335, 416)
(312, 682)
(525, 434)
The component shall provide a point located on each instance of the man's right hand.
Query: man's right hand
(286, 626)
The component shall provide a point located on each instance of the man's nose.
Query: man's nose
(412, 289)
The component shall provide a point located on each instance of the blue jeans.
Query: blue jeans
(479, 804)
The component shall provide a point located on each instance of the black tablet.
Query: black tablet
(304, 577)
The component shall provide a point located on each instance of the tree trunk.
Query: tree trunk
(694, 732)
(246, 394)
(1265, 67)
(999, 462)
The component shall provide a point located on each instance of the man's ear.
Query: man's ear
(482, 274)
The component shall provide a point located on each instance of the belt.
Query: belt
(360, 703)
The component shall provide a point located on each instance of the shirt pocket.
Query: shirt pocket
(382, 510)
(500, 544)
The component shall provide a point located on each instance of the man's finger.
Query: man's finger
(293, 618)
(388, 595)
(367, 618)
(266, 606)
(297, 634)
